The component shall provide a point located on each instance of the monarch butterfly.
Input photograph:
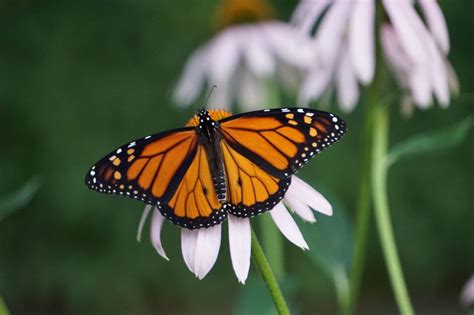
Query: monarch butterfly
(217, 163)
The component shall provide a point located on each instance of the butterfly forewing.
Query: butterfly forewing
(262, 149)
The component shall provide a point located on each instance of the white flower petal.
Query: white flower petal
(307, 14)
(347, 86)
(192, 79)
(467, 294)
(188, 247)
(299, 207)
(156, 224)
(143, 218)
(288, 226)
(207, 250)
(436, 23)
(314, 84)
(292, 47)
(397, 59)
(240, 243)
(224, 55)
(251, 91)
(402, 14)
(307, 194)
(256, 54)
(361, 40)
(420, 87)
(331, 31)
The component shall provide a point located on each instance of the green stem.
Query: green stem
(273, 245)
(343, 293)
(381, 208)
(263, 266)
(362, 211)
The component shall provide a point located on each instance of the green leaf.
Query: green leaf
(18, 199)
(3, 307)
(431, 142)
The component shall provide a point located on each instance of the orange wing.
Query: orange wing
(169, 170)
(262, 149)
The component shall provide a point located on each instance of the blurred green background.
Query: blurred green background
(78, 78)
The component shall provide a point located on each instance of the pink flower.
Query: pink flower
(345, 49)
(240, 61)
(200, 247)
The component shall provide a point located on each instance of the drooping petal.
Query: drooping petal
(434, 71)
(436, 23)
(250, 91)
(307, 194)
(419, 82)
(315, 84)
(224, 55)
(347, 86)
(156, 224)
(240, 243)
(397, 59)
(207, 250)
(288, 226)
(299, 207)
(256, 54)
(188, 247)
(288, 45)
(401, 19)
(307, 14)
(467, 293)
(192, 79)
(143, 218)
(361, 40)
(330, 32)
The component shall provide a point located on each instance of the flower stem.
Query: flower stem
(362, 211)
(273, 245)
(381, 208)
(263, 266)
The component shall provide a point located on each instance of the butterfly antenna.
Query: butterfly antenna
(209, 94)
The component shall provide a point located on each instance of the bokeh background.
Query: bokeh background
(78, 78)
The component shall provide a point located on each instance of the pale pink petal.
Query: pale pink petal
(434, 71)
(250, 91)
(307, 194)
(256, 54)
(347, 86)
(143, 218)
(156, 224)
(299, 207)
(288, 226)
(192, 79)
(467, 293)
(188, 247)
(331, 31)
(224, 53)
(239, 243)
(288, 45)
(361, 40)
(207, 250)
(314, 85)
(307, 14)
(402, 13)
(419, 82)
(436, 23)
(397, 59)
